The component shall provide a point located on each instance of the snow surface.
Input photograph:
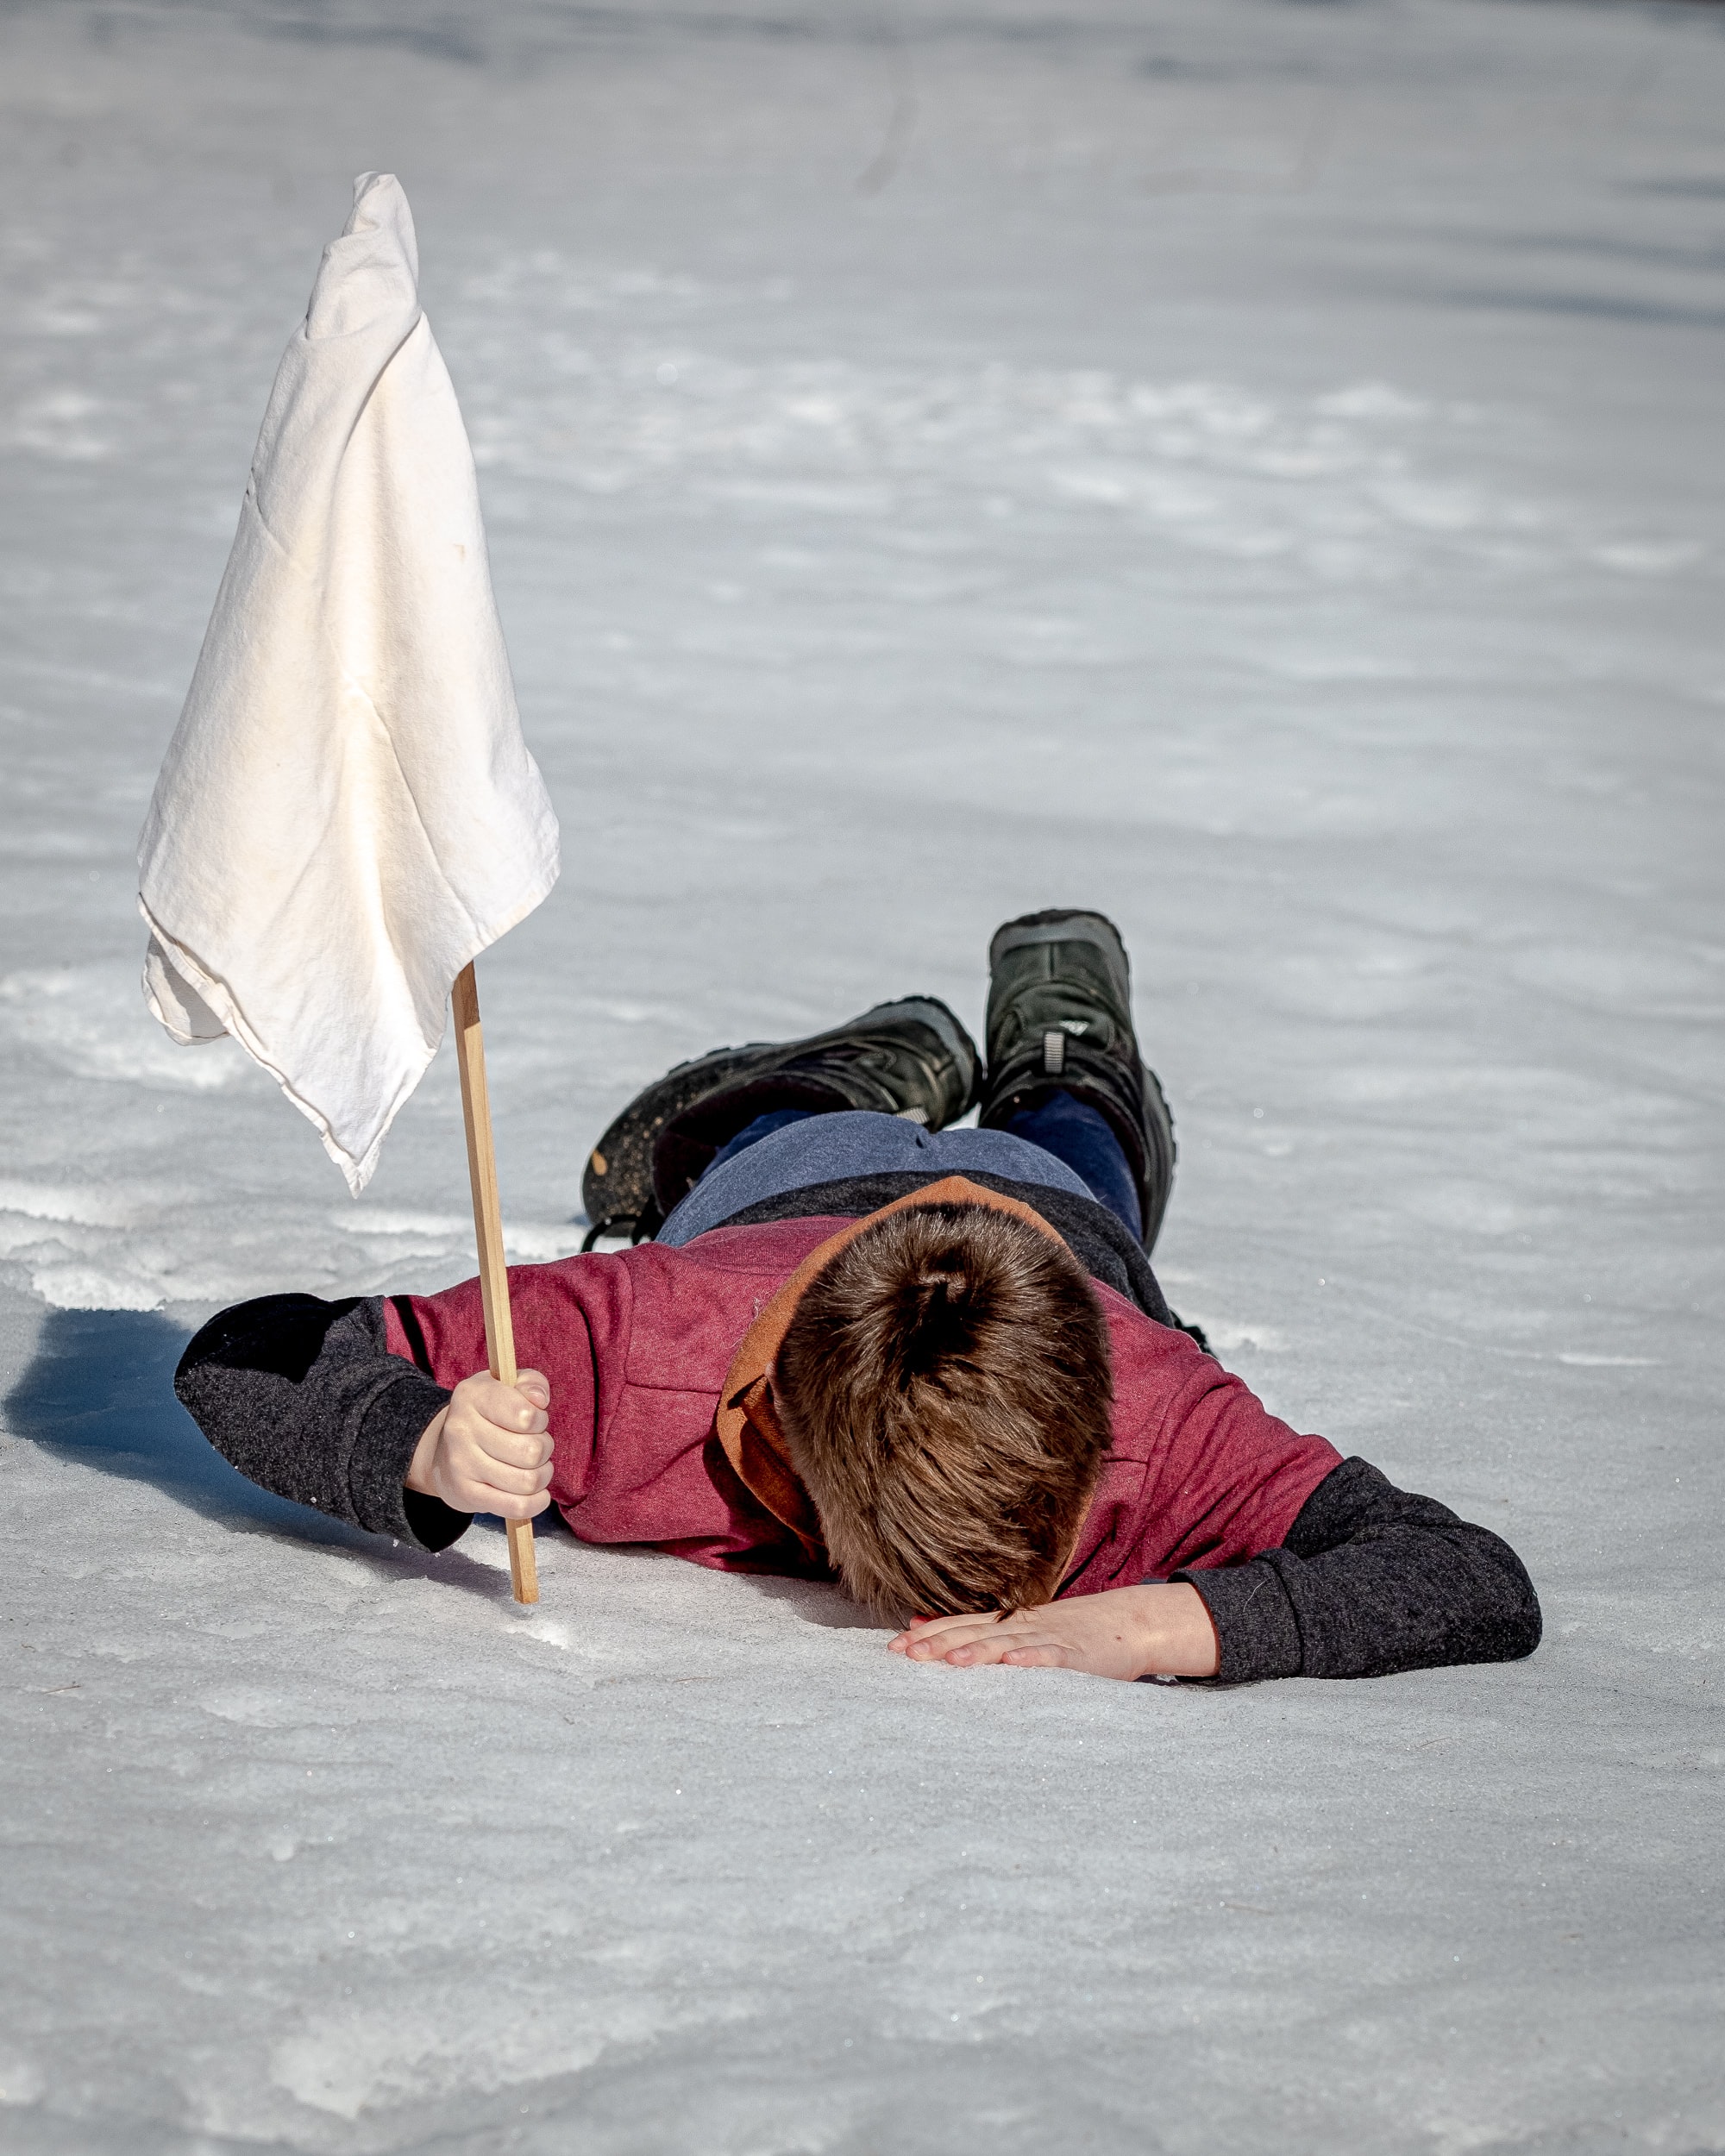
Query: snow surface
(1253, 468)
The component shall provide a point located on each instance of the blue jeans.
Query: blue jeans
(1063, 1130)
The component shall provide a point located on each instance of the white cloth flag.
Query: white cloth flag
(347, 813)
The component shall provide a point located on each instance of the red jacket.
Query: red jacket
(636, 1345)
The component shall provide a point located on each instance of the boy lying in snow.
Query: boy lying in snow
(935, 1363)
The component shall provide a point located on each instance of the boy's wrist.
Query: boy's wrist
(1176, 1635)
(419, 1468)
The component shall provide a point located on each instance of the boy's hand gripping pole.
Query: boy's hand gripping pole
(524, 1572)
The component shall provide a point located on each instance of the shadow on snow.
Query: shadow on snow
(98, 1390)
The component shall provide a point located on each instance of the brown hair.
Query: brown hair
(944, 1388)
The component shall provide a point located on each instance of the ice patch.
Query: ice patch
(364, 1220)
(251, 1706)
(57, 426)
(1371, 400)
(1648, 557)
(50, 319)
(407, 2045)
(629, 1013)
(1451, 508)
(831, 498)
(1166, 500)
(544, 275)
(1338, 667)
(526, 1242)
(401, 2049)
(85, 1287)
(1652, 980)
(1328, 483)
(91, 1021)
(537, 1243)
(1479, 1208)
(108, 1207)
(21, 2080)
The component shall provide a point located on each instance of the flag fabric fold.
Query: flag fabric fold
(347, 813)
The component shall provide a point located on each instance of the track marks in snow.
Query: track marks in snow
(1364, 484)
(1334, 483)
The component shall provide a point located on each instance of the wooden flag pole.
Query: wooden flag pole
(524, 1572)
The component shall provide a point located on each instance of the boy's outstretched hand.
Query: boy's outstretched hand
(488, 1450)
(1161, 1629)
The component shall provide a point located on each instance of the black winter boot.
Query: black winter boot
(1060, 1018)
(912, 1059)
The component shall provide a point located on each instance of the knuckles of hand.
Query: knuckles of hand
(493, 1451)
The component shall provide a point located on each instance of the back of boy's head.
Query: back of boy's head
(944, 1387)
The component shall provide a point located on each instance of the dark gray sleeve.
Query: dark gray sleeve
(305, 1399)
(1373, 1580)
